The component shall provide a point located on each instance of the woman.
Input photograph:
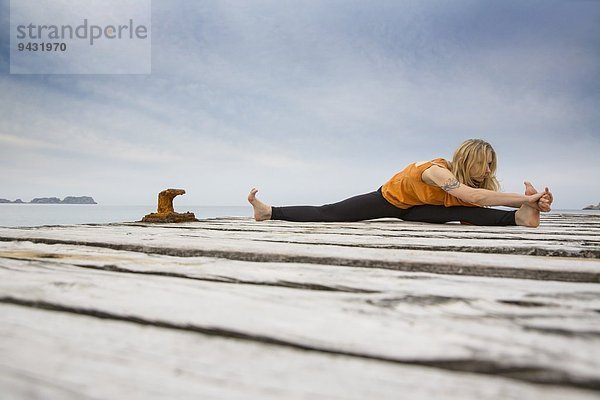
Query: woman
(435, 191)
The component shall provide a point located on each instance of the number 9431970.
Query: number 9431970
(42, 46)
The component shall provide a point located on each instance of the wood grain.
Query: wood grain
(283, 310)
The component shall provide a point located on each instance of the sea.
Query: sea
(28, 215)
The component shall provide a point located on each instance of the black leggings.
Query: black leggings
(373, 205)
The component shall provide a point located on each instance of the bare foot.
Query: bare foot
(262, 211)
(529, 189)
(527, 215)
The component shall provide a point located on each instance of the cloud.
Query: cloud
(315, 101)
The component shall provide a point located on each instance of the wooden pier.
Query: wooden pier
(236, 309)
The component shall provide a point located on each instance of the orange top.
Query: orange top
(407, 189)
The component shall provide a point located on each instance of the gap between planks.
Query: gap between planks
(446, 268)
(526, 373)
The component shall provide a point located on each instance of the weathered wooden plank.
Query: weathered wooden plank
(372, 236)
(68, 356)
(448, 333)
(572, 224)
(385, 226)
(313, 276)
(381, 229)
(192, 241)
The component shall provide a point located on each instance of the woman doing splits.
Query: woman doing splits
(436, 191)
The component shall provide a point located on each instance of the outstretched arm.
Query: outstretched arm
(483, 197)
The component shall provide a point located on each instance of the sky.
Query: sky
(314, 101)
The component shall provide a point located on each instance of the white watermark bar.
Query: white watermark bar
(80, 37)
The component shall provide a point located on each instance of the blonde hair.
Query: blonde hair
(473, 154)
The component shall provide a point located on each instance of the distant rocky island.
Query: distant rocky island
(53, 200)
(592, 207)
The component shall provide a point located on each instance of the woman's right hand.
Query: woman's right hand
(545, 202)
(538, 202)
